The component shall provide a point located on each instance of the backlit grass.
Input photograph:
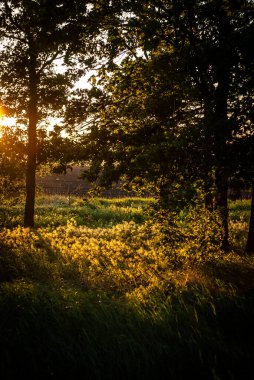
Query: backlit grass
(98, 291)
(57, 210)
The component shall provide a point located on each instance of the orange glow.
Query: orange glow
(4, 120)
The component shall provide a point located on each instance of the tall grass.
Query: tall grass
(95, 292)
(57, 210)
(68, 334)
(239, 216)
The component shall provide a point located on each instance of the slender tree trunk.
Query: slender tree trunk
(32, 143)
(208, 164)
(163, 195)
(250, 239)
(221, 200)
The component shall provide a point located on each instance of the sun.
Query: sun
(7, 121)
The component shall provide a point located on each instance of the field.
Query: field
(108, 289)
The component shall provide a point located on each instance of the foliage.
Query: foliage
(165, 102)
(143, 115)
(176, 109)
(12, 164)
(37, 37)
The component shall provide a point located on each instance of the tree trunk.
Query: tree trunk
(222, 127)
(250, 239)
(32, 142)
(209, 159)
(221, 200)
(163, 195)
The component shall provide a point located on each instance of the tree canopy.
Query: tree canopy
(36, 36)
(177, 106)
(170, 108)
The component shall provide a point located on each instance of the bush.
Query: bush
(187, 238)
(11, 190)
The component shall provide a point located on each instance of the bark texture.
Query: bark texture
(32, 142)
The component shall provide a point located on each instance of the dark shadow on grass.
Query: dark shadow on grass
(239, 275)
(51, 334)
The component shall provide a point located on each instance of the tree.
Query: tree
(208, 39)
(35, 36)
(145, 120)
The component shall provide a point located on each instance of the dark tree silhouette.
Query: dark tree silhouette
(209, 39)
(35, 36)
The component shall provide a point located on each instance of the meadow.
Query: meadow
(108, 289)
